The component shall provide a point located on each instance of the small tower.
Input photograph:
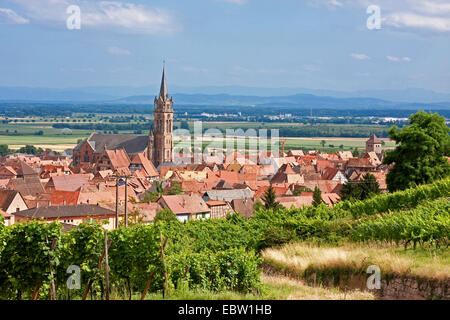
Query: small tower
(163, 126)
(374, 144)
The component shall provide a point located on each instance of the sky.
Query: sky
(315, 44)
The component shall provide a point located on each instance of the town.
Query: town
(120, 179)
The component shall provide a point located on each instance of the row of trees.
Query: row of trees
(28, 149)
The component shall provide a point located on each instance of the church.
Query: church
(110, 151)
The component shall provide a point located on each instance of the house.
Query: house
(7, 218)
(335, 175)
(140, 162)
(228, 195)
(147, 211)
(4, 183)
(296, 202)
(7, 172)
(11, 201)
(74, 215)
(64, 198)
(345, 155)
(27, 181)
(360, 164)
(67, 182)
(288, 173)
(330, 199)
(296, 153)
(373, 158)
(244, 207)
(186, 207)
(219, 209)
(115, 160)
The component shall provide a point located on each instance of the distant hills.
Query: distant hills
(298, 100)
(235, 96)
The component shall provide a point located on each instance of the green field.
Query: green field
(25, 131)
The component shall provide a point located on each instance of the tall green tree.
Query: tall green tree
(419, 155)
(361, 190)
(176, 188)
(317, 197)
(4, 150)
(269, 199)
(165, 215)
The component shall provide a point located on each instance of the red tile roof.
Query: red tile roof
(59, 198)
(146, 164)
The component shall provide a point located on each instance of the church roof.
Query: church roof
(131, 143)
(163, 92)
(374, 139)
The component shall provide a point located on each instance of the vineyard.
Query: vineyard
(212, 255)
(428, 223)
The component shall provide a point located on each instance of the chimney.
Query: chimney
(64, 202)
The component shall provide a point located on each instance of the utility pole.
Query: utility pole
(126, 201)
(117, 204)
(118, 178)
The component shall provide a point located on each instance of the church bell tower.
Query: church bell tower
(160, 139)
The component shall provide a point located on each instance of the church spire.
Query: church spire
(163, 92)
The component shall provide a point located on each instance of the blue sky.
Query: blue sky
(317, 44)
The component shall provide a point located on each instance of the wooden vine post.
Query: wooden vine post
(52, 282)
(163, 260)
(150, 279)
(147, 286)
(106, 266)
(100, 262)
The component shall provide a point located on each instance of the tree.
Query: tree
(351, 191)
(419, 155)
(356, 153)
(322, 143)
(317, 197)
(165, 215)
(154, 196)
(176, 188)
(299, 190)
(4, 150)
(269, 199)
(370, 186)
(29, 149)
(361, 190)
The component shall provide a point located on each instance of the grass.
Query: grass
(299, 259)
(275, 287)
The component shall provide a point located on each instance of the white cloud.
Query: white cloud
(311, 67)
(114, 15)
(119, 51)
(416, 21)
(359, 56)
(330, 4)
(398, 59)
(393, 59)
(406, 15)
(335, 3)
(238, 2)
(10, 16)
